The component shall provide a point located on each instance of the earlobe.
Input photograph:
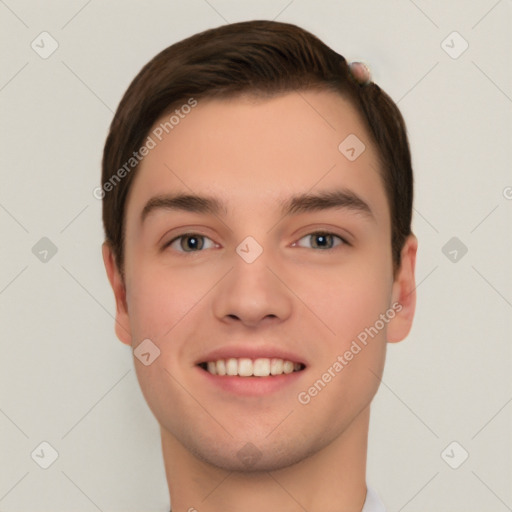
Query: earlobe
(404, 293)
(122, 326)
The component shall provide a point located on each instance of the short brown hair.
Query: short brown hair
(255, 57)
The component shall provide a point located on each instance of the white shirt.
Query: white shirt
(372, 502)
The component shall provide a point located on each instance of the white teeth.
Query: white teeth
(276, 366)
(288, 367)
(221, 367)
(261, 368)
(232, 366)
(245, 367)
(212, 367)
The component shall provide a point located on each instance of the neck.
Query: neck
(332, 479)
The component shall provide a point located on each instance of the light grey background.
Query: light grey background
(67, 380)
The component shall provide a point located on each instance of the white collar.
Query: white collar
(372, 502)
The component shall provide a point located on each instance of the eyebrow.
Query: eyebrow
(184, 202)
(343, 199)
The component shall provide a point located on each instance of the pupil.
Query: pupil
(192, 242)
(322, 240)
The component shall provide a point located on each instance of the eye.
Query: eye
(190, 242)
(321, 240)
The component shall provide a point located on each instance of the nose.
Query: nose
(251, 294)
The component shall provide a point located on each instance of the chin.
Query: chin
(261, 461)
(254, 457)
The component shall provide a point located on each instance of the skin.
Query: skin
(252, 154)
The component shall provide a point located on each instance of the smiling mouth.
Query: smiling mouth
(245, 367)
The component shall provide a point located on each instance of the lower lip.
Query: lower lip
(252, 386)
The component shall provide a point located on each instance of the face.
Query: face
(257, 278)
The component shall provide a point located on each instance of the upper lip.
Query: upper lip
(251, 353)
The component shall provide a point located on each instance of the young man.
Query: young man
(257, 199)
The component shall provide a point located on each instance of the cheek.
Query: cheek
(349, 298)
(349, 363)
(161, 307)
(162, 300)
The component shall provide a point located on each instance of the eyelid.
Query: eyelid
(175, 238)
(323, 232)
(346, 236)
(184, 230)
(294, 244)
(325, 229)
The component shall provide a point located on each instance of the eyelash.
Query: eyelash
(323, 233)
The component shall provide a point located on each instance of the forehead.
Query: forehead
(253, 152)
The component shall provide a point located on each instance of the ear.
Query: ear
(404, 293)
(122, 326)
